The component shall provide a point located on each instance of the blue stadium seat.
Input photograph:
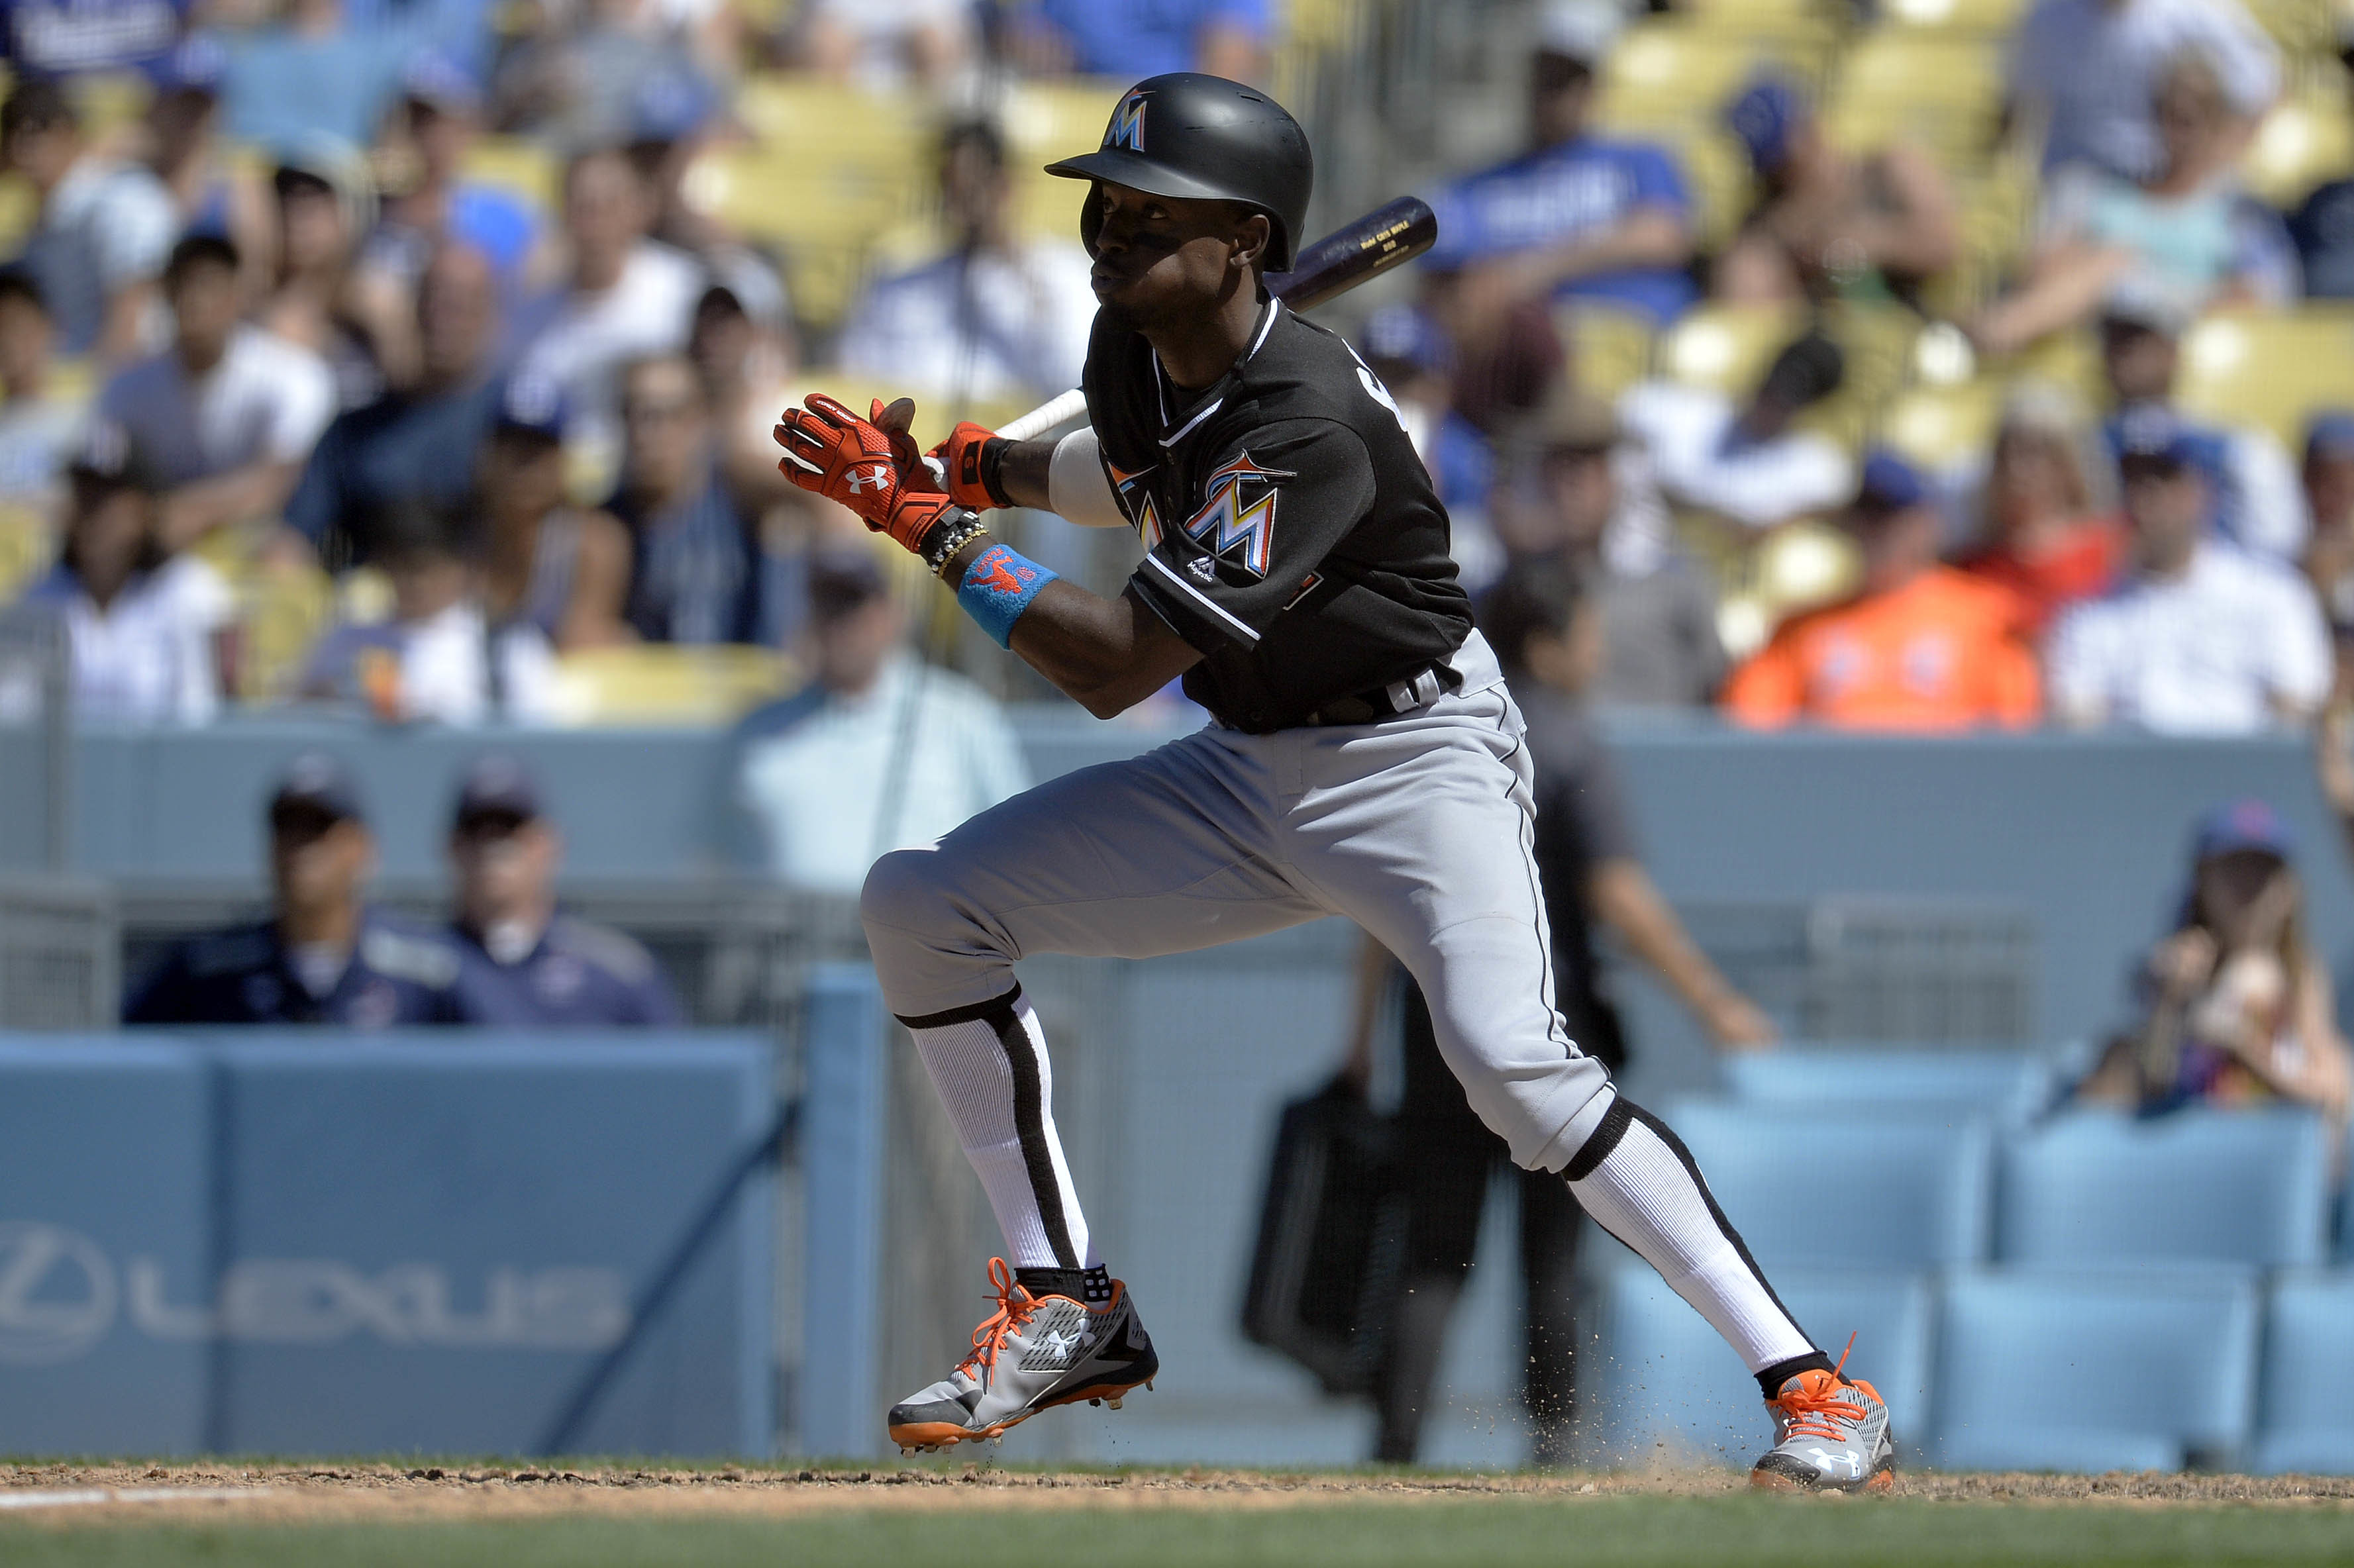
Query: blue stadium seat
(2010, 1085)
(1657, 1378)
(2248, 1186)
(2122, 1368)
(1918, 1184)
(2306, 1420)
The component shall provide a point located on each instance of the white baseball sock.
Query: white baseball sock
(989, 1064)
(1638, 1181)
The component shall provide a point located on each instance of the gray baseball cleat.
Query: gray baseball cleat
(1034, 1351)
(1831, 1434)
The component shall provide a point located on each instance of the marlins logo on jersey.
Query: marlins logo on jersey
(1127, 127)
(1136, 501)
(1237, 524)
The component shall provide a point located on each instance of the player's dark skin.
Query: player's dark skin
(1185, 274)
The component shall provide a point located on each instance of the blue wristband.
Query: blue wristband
(997, 587)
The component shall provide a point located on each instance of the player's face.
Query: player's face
(1165, 260)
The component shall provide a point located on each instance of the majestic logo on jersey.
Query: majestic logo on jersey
(1136, 501)
(1127, 127)
(1238, 523)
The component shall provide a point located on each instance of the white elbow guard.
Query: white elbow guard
(1077, 487)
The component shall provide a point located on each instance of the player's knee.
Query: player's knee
(904, 892)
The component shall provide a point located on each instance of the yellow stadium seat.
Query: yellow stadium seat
(2270, 369)
(1922, 68)
(1045, 120)
(2305, 141)
(18, 206)
(2299, 26)
(667, 685)
(282, 611)
(1983, 18)
(27, 546)
(1664, 74)
(1727, 346)
(518, 165)
(1941, 427)
(1609, 349)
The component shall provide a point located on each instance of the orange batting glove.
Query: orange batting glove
(833, 452)
(971, 462)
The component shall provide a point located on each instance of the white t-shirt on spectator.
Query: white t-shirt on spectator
(2271, 517)
(38, 437)
(1007, 327)
(581, 340)
(147, 658)
(266, 401)
(107, 225)
(2215, 651)
(2092, 64)
(814, 771)
(1757, 484)
(447, 664)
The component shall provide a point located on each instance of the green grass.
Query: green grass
(1491, 1533)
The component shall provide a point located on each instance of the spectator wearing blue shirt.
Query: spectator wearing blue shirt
(324, 956)
(438, 122)
(311, 74)
(1576, 216)
(694, 548)
(1132, 40)
(525, 963)
(104, 227)
(415, 442)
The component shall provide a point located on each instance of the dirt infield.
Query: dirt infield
(69, 1494)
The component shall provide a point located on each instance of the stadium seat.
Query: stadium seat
(28, 545)
(521, 167)
(1662, 1380)
(2307, 139)
(1045, 121)
(2138, 1368)
(2305, 1420)
(1945, 428)
(1727, 346)
(1667, 73)
(1982, 18)
(2272, 369)
(2007, 1086)
(667, 685)
(1611, 348)
(2239, 1186)
(1920, 1180)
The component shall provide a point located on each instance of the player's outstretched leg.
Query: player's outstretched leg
(1064, 1329)
(1638, 1181)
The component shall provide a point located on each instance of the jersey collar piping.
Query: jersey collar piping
(1160, 378)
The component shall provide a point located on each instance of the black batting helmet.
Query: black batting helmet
(1189, 135)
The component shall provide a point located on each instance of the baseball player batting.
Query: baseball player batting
(1363, 759)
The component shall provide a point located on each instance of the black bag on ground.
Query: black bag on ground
(1331, 1235)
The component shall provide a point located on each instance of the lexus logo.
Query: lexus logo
(57, 1293)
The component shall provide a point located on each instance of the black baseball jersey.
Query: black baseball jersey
(1290, 533)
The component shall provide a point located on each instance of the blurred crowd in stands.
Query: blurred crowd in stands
(1923, 364)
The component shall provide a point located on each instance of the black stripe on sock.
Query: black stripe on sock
(1676, 1145)
(1770, 1381)
(1030, 1127)
(978, 1010)
(1601, 1140)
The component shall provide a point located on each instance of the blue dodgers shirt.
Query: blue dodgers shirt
(1564, 192)
(1137, 38)
(67, 38)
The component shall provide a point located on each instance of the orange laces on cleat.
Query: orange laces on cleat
(1812, 1398)
(1014, 1308)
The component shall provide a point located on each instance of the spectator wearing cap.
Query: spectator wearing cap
(40, 431)
(1131, 39)
(436, 658)
(1829, 223)
(2329, 496)
(1407, 350)
(1577, 217)
(225, 417)
(103, 227)
(142, 624)
(2236, 1006)
(212, 192)
(626, 297)
(400, 446)
(1578, 495)
(996, 316)
(428, 204)
(2252, 484)
(547, 564)
(694, 548)
(878, 752)
(310, 72)
(324, 205)
(2081, 74)
(324, 956)
(2199, 637)
(1920, 648)
(526, 963)
(2184, 232)
(2042, 538)
(1746, 463)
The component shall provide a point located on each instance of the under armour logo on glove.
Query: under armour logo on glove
(860, 484)
(834, 453)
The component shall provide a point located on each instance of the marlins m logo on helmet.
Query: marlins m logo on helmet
(1127, 127)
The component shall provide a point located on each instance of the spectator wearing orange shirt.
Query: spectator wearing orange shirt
(2044, 540)
(1923, 647)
